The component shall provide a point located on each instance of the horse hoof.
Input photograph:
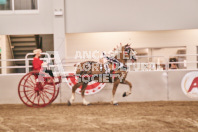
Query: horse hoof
(86, 104)
(68, 103)
(115, 104)
(124, 94)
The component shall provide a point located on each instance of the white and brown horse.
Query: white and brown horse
(89, 70)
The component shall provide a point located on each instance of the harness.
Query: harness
(115, 62)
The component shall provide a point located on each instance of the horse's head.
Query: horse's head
(129, 53)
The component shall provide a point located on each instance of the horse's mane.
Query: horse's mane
(115, 52)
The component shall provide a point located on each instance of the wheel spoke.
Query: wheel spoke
(31, 95)
(49, 86)
(50, 89)
(46, 95)
(28, 86)
(48, 92)
(34, 98)
(26, 91)
(29, 83)
(42, 98)
(23, 96)
(34, 82)
(27, 101)
(30, 80)
(38, 99)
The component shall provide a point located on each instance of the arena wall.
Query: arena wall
(147, 86)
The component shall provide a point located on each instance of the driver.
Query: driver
(39, 64)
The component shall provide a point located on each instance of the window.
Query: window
(5, 4)
(25, 4)
(19, 5)
(156, 58)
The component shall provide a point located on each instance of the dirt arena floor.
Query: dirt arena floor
(98, 117)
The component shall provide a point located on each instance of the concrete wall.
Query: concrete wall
(106, 41)
(32, 23)
(103, 16)
(147, 86)
(130, 15)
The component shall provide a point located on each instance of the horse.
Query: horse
(117, 75)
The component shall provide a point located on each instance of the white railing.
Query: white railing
(152, 63)
(188, 61)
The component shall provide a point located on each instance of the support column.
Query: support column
(59, 28)
(191, 49)
(3, 53)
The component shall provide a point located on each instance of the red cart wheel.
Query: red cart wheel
(57, 87)
(56, 92)
(37, 89)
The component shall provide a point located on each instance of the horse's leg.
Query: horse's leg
(130, 88)
(77, 85)
(84, 86)
(115, 85)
